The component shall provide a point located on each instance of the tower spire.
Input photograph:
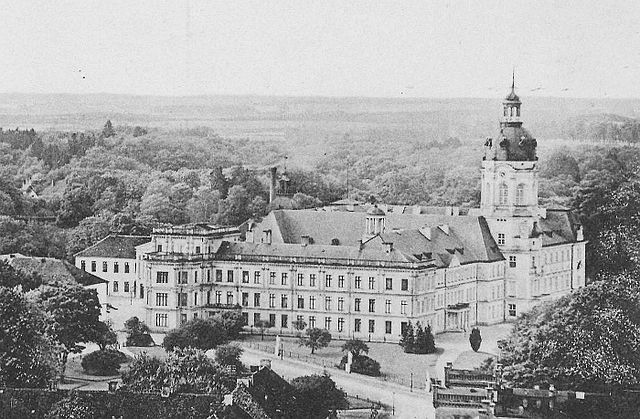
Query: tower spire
(513, 79)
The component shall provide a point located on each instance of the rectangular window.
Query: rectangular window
(256, 318)
(500, 239)
(340, 324)
(198, 249)
(208, 297)
(256, 299)
(327, 303)
(126, 286)
(208, 275)
(512, 310)
(182, 299)
(372, 283)
(372, 326)
(126, 267)
(161, 320)
(272, 300)
(229, 297)
(357, 282)
(183, 318)
(404, 284)
(387, 327)
(218, 275)
(162, 299)
(256, 277)
(387, 306)
(356, 304)
(512, 261)
(327, 281)
(116, 267)
(283, 278)
(272, 278)
(245, 277)
(357, 325)
(388, 284)
(340, 303)
(284, 321)
(300, 280)
(312, 322)
(83, 265)
(183, 277)
(141, 291)
(272, 320)
(93, 266)
(229, 276)
(284, 300)
(300, 301)
(340, 281)
(245, 318)
(218, 297)
(104, 266)
(195, 298)
(327, 323)
(312, 280)
(312, 303)
(403, 307)
(115, 286)
(372, 305)
(245, 299)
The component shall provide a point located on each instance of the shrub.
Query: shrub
(197, 333)
(229, 355)
(475, 339)
(103, 362)
(137, 333)
(362, 364)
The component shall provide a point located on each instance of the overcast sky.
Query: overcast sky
(332, 48)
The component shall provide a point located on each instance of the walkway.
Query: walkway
(407, 404)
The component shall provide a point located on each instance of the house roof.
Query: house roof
(51, 270)
(115, 246)
(413, 235)
(558, 227)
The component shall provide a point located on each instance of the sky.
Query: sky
(322, 48)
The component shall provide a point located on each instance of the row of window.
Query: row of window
(127, 288)
(183, 278)
(105, 266)
(503, 194)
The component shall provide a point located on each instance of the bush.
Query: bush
(362, 364)
(229, 355)
(103, 362)
(475, 339)
(137, 333)
(197, 333)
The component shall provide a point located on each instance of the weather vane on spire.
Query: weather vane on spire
(513, 78)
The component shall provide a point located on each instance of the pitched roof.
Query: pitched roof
(115, 246)
(470, 235)
(558, 227)
(51, 270)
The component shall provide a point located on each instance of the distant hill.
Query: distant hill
(271, 117)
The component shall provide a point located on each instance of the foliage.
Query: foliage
(488, 365)
(316, 338)
(73, 313)
(103, 362)
(262, 325)
(475, 339)
(299, 324)
(108, 130)
(27, 356)
(197, 333)
(356, 347)
(105, 335)
(74, 406)
(184, 371)
(229, 355)
(317, 395)
(137, 332)
(10, 278)
(361, 364)
(417, 341)
(407, 339)
(584, 341)
(231, 321)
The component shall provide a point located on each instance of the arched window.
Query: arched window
(503, 196)
(520, 195)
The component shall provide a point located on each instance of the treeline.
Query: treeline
(604, 128)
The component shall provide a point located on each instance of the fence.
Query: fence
(410, 382)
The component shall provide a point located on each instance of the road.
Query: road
(410, 405)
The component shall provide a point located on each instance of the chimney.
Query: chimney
(273, 172)
(266, 236)
(305, 240)
(388, 246)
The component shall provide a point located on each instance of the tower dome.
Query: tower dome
(375, 221)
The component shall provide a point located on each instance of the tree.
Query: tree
(27, 355)
(299, 324)
(103, 362)
(73, 313)
(475, 339)
(431, 341)
(11, 278)
(262, 325)
(138, 131)
(420, 344)
(197, 333)
(137, 333)
(356, 347)
(108, 130)
(231, 321)
(316, 338)
(229, 355)
(105, 335)
(75, 206)
(317, 396)
(407, 340)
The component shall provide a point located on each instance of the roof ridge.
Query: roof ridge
(94, 245)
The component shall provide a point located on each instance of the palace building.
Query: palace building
(363, 270)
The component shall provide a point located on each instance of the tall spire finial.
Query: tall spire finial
(513, 79)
